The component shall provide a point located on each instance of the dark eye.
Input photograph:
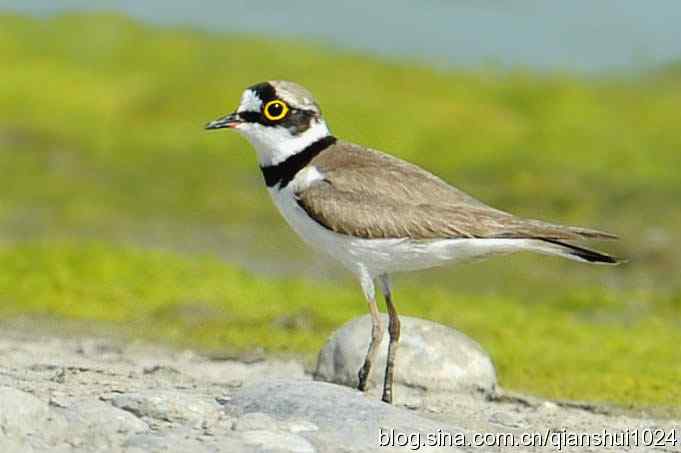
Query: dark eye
(275, 110)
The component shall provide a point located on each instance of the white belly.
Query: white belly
(385, 256)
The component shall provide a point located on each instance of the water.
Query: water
(577, 35)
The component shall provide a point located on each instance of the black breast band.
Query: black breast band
(284, 172)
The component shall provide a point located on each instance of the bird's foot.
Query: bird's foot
(363, 377)
(387, 396)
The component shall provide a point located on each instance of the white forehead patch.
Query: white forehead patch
(250, 102)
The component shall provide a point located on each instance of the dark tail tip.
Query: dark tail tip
(585, 254)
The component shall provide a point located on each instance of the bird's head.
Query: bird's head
(279, 118)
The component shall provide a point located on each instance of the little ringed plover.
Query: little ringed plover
(375, 213)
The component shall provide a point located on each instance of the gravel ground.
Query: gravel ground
(97, 394)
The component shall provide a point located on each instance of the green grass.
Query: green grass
(108, 114)
(203, 302)
(101, 138)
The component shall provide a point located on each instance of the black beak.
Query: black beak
(231, 120)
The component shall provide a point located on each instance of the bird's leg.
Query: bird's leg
(377, 330)
(394, 331)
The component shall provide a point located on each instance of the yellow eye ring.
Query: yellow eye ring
(275, 110)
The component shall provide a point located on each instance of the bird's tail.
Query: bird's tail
(573, 252)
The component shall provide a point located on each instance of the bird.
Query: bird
(375, 213)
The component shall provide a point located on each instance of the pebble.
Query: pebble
(431, 357)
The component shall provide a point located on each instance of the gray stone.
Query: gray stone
(298, 426)
(23, 415)
(14, 445)
(345, 419)
(20, 410)
(234, 372)
(431, 357)
(277, 441)
(254, 421)
(507, 420)
(168, 405)
(182, 441)
(93, 418)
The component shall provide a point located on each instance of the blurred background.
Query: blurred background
(119, 215)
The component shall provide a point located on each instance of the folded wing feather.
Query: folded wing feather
(372, 195)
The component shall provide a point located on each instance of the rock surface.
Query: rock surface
(168, 405)
(87, 395)
(343, 418)
(431, 358)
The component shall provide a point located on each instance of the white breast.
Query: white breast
(310, 231)
(381, 256)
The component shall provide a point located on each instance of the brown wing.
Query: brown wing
(372, 195)
(353, 168)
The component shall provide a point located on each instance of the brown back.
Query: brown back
(372, 195)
